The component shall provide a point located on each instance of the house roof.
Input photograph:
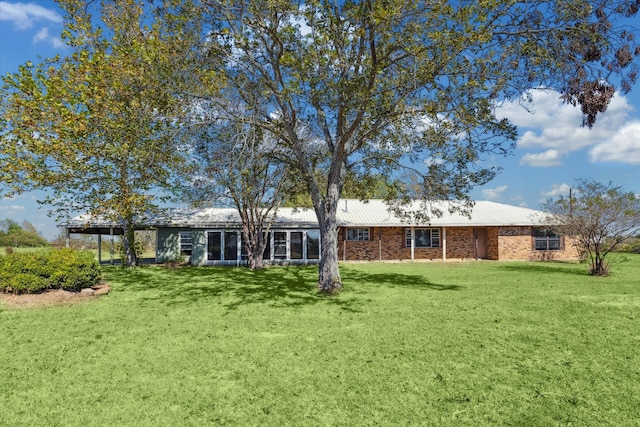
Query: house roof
(351, 212)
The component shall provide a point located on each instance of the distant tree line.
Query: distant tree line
(23, 235)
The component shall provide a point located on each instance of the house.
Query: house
(368, 231)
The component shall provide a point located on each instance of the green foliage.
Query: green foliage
(73, 270)
(66, 269)
(138, 249)
(26, 283)
(631, 245)
(20, 236)
(93, 125)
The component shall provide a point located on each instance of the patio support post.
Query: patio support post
(111, 234)
(344, 251)
(67, 237)
(444, 243)
(100, 248)
(413, 244)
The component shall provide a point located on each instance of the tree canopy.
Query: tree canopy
(95, 127)
(381, 87)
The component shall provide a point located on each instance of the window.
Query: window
(357, 234)
(546, 240)
(214, 246)
(222, 245)
(279, 245)
(295, 244)
(423, 237)
(313, 244)
(186, 242)
(230, 245)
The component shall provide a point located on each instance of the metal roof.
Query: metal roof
(351, 212)
(484, 213)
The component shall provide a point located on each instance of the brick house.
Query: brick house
(368, 231)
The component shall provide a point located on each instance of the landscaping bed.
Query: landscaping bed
(52, 297)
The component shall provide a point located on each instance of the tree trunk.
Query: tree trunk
(255, 250)
(329, 281)
(128, 244)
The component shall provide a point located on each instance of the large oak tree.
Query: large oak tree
(384, 85)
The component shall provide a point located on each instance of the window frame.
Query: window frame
(545, 239)
(362, 234)
(410, 235)
(186, 248)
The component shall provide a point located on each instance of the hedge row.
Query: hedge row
(31, 272)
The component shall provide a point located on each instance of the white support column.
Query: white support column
(413, 244)
(304, 246)
(444, 243)
(67, 237)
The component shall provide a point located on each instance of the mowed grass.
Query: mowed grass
(486, 343)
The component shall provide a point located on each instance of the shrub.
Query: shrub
(73, 270)
(26, 283)
(67, 269)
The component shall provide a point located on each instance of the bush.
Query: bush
(73, 270)
(27, 283)
(66, 269)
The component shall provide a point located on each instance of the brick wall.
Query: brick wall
(516, 243)
(503, 243)
(386, 243)
(460, 243)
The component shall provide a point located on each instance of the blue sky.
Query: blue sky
(552, 151)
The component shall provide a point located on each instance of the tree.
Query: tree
(238, 163)
(384, 85)
(16, 235)
(597, 219)
(94, 128)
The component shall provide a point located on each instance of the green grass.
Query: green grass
(488, 343)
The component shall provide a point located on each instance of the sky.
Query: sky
(552, 152)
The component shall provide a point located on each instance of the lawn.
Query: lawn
(486, 343)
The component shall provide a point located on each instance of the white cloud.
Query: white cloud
(494, 193)
(17, 207)
(44, 36)
(24, 15)
(557, 190)
(547, 123)
(623, 146)
(545, 159)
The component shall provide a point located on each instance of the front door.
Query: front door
(481, 243)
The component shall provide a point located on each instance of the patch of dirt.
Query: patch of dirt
(53, 297)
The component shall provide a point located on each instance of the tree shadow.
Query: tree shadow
(230, 287)
(542, 267)
(396, 280)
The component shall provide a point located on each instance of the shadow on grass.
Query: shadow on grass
(230, 287)
(542, 267)
(395, 280)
